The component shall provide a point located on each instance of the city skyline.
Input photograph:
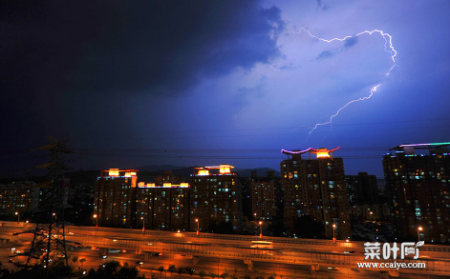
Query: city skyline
(200, 83)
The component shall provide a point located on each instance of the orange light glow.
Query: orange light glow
(141, 184)
(167, 184)
(184, 184)
(323, 153)
(203, 172)
(130, 174)
(113, 172)
(225, 169)
(150, 184)
(133, 181)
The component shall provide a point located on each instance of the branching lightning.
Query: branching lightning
(388, 47)
(372, 90)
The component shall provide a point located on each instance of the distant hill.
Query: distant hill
(177, 170)
(155, 168)
(146, 173)
(260, 172)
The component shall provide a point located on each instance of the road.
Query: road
(215, 253)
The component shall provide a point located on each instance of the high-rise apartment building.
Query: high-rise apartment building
(114, 197)
(163, 207)
(121, 201)
(18, 197)
(362, 188)
(418, 190)
(363, 199)
(315, 188)
(215, 198)
(263, 199)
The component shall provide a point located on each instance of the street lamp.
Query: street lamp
(96, 220)
(419, 229)
(198, 227)
(143, 224)
(347, 243)
(18, 217)
(260, 230)
(334, 233)
(256, 224)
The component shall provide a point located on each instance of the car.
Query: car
(139, 263)
(103, 256)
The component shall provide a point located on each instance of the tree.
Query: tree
(212, 275)
(202, 274)
(161, 269)
(190, 271)
(246, 276)
(224, 275)
(234, 276)
(180, 270)
(172, 269)
(75, 259)
(112, 267)
(82, 261)
(151, 270)
(127, 272)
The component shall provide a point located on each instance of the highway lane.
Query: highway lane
(216, 265)
(225, 249)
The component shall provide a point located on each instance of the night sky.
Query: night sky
(134, 83)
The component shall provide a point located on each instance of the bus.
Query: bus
(262, 244)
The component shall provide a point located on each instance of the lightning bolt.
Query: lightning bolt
(372, 90)
(388, 47)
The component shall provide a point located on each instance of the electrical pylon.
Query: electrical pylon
(49, 245)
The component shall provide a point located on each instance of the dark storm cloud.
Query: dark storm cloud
(245, 95)
(325, 55)
(288, 66)
(121, 46)
(350, 42)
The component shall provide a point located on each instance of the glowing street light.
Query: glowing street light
(334, 233)
(419, 229)
(18, 217)
(198, 226)
(96, 220)
(260, 229)
(143, 224)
